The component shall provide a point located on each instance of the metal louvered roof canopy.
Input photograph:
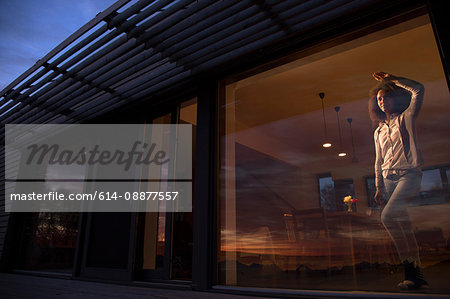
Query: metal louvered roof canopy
(136, 48)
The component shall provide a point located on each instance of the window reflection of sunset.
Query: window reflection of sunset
(272, 158)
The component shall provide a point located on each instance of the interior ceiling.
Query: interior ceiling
(344, 77)
(277, 111)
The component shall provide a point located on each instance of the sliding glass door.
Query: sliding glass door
(164, 239)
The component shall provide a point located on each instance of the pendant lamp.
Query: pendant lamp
(326, 142)
(341, 153)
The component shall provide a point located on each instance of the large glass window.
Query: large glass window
(283, 222)
(48, 240)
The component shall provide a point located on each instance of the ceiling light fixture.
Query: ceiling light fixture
(326, 142)
(341, 152)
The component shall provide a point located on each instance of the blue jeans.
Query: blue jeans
(400, 190)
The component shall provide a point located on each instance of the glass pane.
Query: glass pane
(109, 240)
(183, 223)
(152, 257)
(155, 222)
(431, 188)
(188, 112)
(295, 214)
(327, 196)
(371, 190)
(431, 180)
(155, 238)
(48, 242)
(332, 192)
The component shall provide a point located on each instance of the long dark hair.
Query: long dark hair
(401, 97)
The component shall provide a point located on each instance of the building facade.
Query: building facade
(264, 84)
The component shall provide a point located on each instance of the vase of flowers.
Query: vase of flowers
(348, 200)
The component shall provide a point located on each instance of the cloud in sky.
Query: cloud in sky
(29, 29)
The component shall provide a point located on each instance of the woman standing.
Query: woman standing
(393, 108)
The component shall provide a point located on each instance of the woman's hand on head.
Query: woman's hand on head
(381, 76)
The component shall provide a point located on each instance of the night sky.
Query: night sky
(29, 29)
